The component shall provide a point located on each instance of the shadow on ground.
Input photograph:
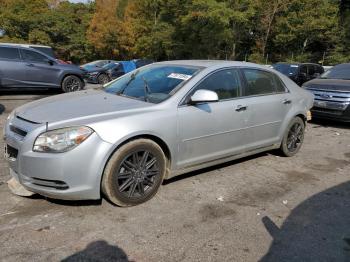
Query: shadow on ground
(316, 230)
(99, 251)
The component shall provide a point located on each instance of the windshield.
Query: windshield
(286, 69)
(338, 72)
(153, 83)
(110, 65)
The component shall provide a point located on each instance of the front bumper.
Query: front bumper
(331, 114)
(92, 79)
(74, 175)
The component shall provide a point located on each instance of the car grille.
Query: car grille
(330, 100)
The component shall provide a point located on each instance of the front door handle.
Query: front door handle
(241, 108)
(29, 64)
(287, 101)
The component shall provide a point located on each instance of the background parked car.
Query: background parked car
(103, 73)
(332, 94)
(299, 73)
(25, 67)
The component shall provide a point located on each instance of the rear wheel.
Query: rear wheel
(71, 83)
(103, 79)
(134, 173)
(293, 137)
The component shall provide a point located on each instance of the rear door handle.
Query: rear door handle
(241, 108)
(287, 101)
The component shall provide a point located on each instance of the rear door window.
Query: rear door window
(9, 53)
(303, 69)
(311, 70)
(260, 82)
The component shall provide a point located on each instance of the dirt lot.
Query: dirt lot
(261, 208)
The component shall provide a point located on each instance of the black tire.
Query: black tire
(293, 137)
(126, 184)
(71, 83)
(103, 79)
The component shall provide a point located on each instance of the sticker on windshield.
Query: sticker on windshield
(179, 76)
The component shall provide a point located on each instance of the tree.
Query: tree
(104, 29)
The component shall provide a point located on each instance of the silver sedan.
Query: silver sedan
(154, 123)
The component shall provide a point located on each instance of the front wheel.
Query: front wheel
(134, 173)
(103, 79)
(293, 137)
(72, 83)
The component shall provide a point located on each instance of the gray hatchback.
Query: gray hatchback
(156, 122)
(26, 67)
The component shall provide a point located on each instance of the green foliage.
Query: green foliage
(254, 30)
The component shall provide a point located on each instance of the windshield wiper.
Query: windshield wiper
(146, 88)
(132, 77)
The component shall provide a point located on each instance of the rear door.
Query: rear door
(209, 131)
(12, 68)
(268, 102)
(39, 72)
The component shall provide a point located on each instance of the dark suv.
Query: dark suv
(332, 94)
(23, 67)
(299, 73)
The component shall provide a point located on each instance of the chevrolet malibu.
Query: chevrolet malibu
(151, 124)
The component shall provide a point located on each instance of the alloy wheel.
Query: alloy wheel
(295, 137)
(73, 85)
(137, 174)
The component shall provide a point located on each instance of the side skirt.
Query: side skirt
(188, 169)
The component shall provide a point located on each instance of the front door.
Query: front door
(210, 131)
(38, 70)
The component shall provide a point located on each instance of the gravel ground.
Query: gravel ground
(260, 208)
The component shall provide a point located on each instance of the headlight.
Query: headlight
(61, 140)
(93, 73)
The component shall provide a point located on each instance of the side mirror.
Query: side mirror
(316, 75)
(49, 61)
(204, 96)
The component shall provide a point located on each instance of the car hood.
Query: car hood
(92, 68)
(329, 85)
(75, 105)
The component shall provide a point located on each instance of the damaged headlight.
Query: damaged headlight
(61, 140)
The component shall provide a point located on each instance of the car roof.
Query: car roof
(286, 63)
(24, 45)
(210, 63)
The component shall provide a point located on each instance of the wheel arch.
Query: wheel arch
(303, 117)
(165, 148)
